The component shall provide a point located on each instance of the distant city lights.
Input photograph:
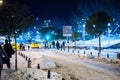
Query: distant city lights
(109, 24)
(94, 26)
(47, 37)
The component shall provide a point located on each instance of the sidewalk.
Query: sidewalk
(6, 72)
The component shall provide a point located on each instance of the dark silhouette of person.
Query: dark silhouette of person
(63, 45)
(57, 45)
(45, 44)
(2, 54)
(28, 47)
(53, 43)
(9, 51)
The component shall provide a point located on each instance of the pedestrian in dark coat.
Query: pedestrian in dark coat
(53, 43)
(57, 45)
(2, 53)
(9, 51)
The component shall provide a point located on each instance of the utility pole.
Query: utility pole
(16, 52)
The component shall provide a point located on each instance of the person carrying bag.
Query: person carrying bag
(2, 53)
(9, 51)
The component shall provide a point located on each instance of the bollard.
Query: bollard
(26, 58)
(78, 51)
(118, 56)
(22, 54)
(107, 55)
(38, 66)
(90, 53)
(29, 63)
(84, 52)
(49, 74)
(29, 75)
(63, 79)
(19, 53)
(73, 51)
(98, 54)
(68, 48)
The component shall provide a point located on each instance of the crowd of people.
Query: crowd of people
(54, 44)
(22, 46)
(6, 52)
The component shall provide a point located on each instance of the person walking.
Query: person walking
(9, 51)
(63, 45)
(2, 53)
(57, 45)
(53, 44)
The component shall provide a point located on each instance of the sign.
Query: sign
(67, 30)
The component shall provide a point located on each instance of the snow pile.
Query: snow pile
(33, 74)
(44, 62)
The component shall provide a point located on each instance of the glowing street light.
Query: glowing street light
(47, 37)
(109, 24)
(109, 33)
(1, 2)
(94, 26)
(83, 31)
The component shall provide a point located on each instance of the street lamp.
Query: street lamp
(94, 28)
(109, 33)
(83, 31)
(1, 1)
(15, 33)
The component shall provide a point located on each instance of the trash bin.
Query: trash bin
(118, 56)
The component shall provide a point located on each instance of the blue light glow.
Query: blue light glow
(109, 24)
(47, 37)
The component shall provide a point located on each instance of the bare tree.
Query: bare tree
(14, 17)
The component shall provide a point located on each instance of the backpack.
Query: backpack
(9, 50)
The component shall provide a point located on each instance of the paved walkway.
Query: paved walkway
(6, 72)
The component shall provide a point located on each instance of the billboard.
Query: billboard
(67, 30)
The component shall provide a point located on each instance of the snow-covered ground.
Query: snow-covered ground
(112, 53)
(105, 42)
(69, 66)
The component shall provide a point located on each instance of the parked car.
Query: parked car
(17, 46)
(34, 45)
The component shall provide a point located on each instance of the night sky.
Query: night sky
(62, 10)
(50, 8)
